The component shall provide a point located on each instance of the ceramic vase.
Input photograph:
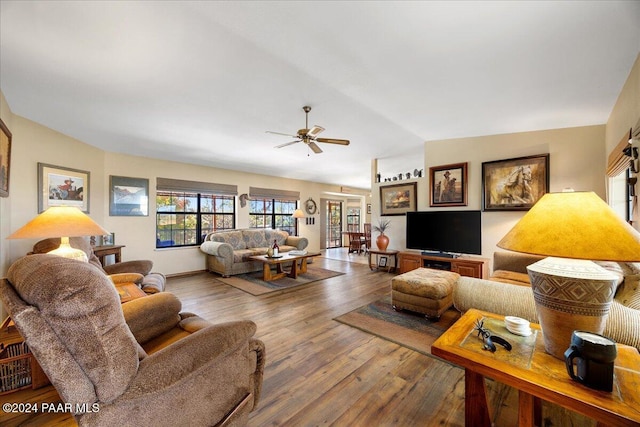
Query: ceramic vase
(570, 295)
(382, 242)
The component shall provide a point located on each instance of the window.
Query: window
(184, 218)
(273, 213)
(353, 218)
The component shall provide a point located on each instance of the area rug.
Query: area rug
(411, 330)
(252, 282)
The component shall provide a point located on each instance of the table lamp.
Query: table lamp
(57, 221)
(572, 292)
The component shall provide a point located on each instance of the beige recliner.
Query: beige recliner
(142, 363)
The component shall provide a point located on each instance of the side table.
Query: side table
(388, 254)
(129, 291)
(536, 374)
(103, 251)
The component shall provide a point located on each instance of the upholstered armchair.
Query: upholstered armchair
(141, 363)
(150, 282)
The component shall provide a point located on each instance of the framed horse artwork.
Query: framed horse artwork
(514, 184)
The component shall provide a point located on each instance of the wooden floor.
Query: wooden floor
(321, 372)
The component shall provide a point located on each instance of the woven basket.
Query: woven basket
(15, 367)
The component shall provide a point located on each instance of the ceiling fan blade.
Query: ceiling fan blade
(315, 130)
(287, 143)
(333, 141)
(314, 147)
(280, 133)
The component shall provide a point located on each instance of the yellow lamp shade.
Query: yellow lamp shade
(59, 221)
(574, 225)
(63, 222)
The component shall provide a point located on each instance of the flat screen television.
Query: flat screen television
(452, 232)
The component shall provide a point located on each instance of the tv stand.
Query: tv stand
(465, 266)
(439, 254)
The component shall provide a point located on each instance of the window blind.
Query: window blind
(618, 162)
(270, 193)
(180, 185)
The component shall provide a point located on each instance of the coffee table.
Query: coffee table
(298, 265)
(536, 374)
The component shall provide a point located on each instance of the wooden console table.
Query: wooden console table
(103, 251)
(465, 266)
(536, 374)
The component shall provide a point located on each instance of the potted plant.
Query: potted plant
(382, 241)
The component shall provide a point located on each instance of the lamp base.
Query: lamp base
(570, 295)
(65, 250)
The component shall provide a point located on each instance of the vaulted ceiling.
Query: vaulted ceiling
(200, 82)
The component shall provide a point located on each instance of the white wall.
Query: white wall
(138, 233)
(577, 160)
(34, 143)
(5, 202)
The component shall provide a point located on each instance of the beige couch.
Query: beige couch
(508, 292)
(228, 251)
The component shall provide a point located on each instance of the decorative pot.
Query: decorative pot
(382, 242)
(570, 295)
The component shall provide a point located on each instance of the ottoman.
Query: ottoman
(423, 290)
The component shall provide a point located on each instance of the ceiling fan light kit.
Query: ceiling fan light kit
(309, 136)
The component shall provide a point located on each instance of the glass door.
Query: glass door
(334, 224)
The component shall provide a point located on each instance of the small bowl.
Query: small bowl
(516, 321)
(517, 325)
(525, 332)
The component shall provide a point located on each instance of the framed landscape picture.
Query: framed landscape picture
(60, 186)
(448, 185)
(128, 196)
(514, 184)
(398, 199)
(5, 159)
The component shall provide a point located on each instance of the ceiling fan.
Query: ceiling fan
(309, 136)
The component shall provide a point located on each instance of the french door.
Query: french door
(334, 224)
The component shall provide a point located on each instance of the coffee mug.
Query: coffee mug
(590, 359)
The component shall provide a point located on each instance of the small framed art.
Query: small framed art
(448, 185)
(109, 239)
(5, 159)
(60, 186)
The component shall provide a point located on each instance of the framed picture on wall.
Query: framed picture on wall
(398, 199)
(5, 159)
(60, 186)
(448, 185)
(514, 184)
(128, 196)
